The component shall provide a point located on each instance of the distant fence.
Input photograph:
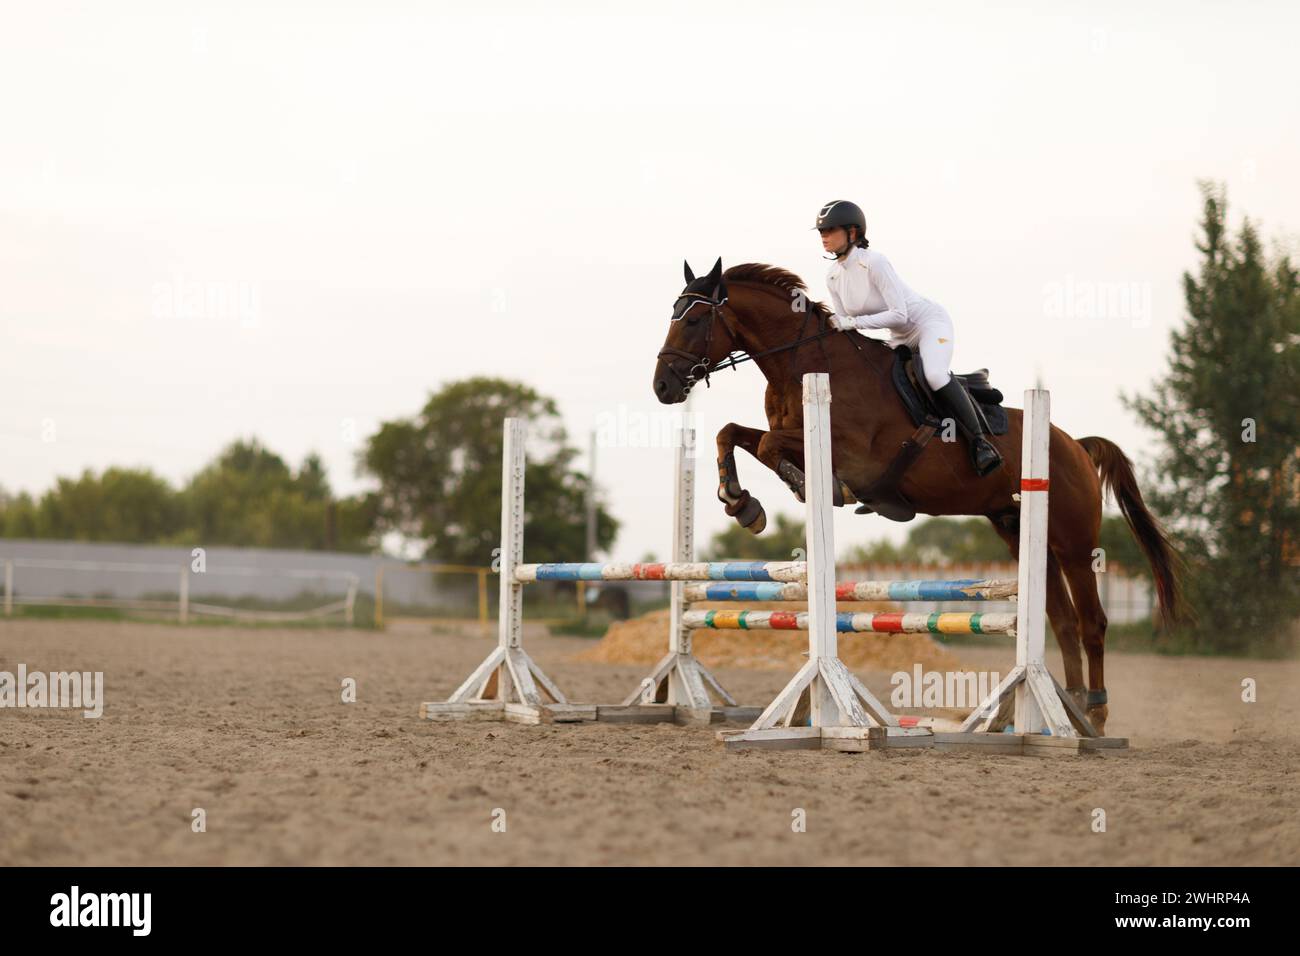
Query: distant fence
(235, 583)
(157, 597)
(388, 573)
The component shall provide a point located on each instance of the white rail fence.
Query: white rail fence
(181, 576)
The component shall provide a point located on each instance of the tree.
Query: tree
(17, 515)
(122, 504)
(774, 544)
(1228, 419)
(249, 497)
(938, 541)
(440, 476)
(246, 497)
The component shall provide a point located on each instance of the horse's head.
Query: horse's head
(699, 336)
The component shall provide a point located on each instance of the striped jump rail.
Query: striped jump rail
(961, 590)
(848, 621)
(770, 571)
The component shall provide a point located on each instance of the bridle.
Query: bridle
(701, 364)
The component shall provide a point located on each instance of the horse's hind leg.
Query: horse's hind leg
(1065, 625)
(1092, 620)
(1063, 616)
(740, 504)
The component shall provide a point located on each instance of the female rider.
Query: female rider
(868, 294)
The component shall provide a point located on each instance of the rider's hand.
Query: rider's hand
(841, 323)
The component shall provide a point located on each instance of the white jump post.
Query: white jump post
(841, 713)
(508, 684)
(1042, 707)
(679, 680)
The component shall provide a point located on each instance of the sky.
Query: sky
(295, 221)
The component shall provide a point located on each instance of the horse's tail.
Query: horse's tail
(1117, 477)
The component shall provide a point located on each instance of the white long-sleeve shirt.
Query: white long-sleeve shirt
(865, 288)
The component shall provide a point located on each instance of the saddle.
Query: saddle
(883, 496)
(909, 381)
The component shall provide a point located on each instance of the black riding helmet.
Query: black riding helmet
(841, 212)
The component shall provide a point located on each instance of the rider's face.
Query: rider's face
(834, 240)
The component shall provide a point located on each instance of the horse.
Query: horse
(764, 313)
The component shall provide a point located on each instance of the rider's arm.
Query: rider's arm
(882, 275)
(838, 316)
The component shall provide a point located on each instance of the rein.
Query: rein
(734, 357)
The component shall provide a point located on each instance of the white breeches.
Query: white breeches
(935, 342)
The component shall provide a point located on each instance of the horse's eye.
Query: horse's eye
(689, 313)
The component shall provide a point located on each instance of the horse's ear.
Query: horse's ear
(716, 272)
(690, 276)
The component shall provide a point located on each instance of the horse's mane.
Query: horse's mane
(774, 276)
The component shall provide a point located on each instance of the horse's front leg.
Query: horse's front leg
(741, 505)
(782, 450)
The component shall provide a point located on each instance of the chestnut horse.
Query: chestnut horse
(762, 311)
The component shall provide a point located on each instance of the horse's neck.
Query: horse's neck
(765, 322)
(859, 369)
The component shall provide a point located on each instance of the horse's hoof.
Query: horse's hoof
(752, 517)
(1097, 717)
(748, 512)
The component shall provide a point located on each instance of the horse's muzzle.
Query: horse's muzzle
(669, 386)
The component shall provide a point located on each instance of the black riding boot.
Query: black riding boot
(983, 455)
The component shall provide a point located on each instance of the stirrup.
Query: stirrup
(993, 465)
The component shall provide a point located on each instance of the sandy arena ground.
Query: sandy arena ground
(249, 726)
